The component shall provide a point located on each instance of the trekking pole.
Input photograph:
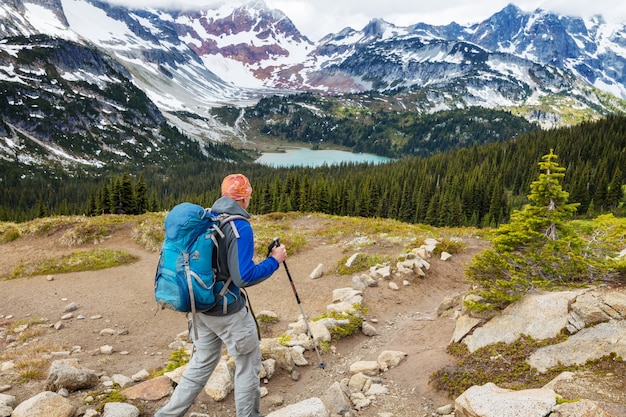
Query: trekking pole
(276, 243)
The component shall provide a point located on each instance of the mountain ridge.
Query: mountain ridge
(189, 62)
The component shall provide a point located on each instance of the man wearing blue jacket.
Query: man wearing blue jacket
(233, 324)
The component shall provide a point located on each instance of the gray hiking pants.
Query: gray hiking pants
(238, 331)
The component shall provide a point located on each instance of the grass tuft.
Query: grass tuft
(90, 260)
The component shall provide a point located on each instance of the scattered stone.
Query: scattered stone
(122, 380)
(311, 407)
(141, 376)
(120, 410)
(106, 349)
(368, 329)
(390, 358)
(70, 307)
(317, 272)
(370, 368)
(267, 316)
(351, 259)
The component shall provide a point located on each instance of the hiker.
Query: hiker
(236, 327)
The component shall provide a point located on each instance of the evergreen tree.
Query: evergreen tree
(141, 195)
(536, 249)
(615, 193)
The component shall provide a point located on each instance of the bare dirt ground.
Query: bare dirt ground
(406, 320)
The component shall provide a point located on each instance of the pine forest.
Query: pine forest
(479, 185)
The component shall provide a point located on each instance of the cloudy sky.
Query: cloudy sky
(316, 18)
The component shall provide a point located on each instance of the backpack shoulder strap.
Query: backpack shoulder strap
(223, 219)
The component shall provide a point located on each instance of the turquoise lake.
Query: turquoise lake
(311, 158)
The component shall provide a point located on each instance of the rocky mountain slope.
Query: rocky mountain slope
(548, 68)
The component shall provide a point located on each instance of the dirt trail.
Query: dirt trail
(406, 320)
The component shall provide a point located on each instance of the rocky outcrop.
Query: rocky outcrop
(594, 318)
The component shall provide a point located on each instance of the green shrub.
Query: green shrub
(10, 234)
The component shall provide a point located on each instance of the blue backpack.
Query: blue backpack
(185, 277)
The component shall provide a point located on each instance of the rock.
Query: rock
(270, 348)
(368, 329)
(221, 383)
(376, 389)
(8, 400)
(359, 283)
(581, 408)
(268, 368)
(70, 307)
(540, 316)
(122, 380)
(318, 272)
(360, 401)
(343, 307)
(141, 376)
(45, 404)
(358, 382)
(489, 400)
(463, 326)
(120, 410)
(5, 410)
(382, 272)
(445, 409)
(351, 259)
(337, 399)
(68, 373)
(267, 316)
(588, 344)
(445, 256)
(348, 295)
(390, 358)
(312, 407)
(297, 353)
(106, 349)
(151, 390)
(370, 368)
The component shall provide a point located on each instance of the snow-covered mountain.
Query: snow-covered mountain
(227, 54)
(187, 62)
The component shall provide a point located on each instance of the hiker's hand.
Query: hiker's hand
(279, 253)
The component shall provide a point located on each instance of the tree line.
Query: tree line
(475, 186)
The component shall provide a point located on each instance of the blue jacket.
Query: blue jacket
(235, 255)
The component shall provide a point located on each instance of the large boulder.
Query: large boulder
(489, 400)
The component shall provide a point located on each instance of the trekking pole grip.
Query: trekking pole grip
(274, 244)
